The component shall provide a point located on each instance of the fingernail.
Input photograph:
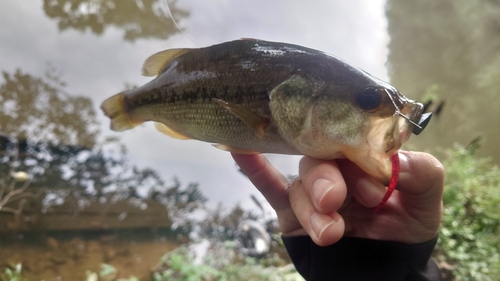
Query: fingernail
(404, 165)
(320, 188)
(320, 222)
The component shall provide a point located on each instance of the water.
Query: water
(61, 59)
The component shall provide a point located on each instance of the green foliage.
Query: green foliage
(181, 267)
(107, 273)
(13, 274)
(221, 264)
(220, 223)
(451, 44)
(41, 109)
(54, 137)
(470, 233)
(431, 93)
(138, 19)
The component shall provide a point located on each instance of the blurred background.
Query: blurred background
(78, 201)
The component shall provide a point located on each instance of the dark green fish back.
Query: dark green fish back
(242, 72)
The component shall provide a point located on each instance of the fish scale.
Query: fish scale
(216, 123)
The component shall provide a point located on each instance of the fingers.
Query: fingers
(268, 180)
(421, 185)
(315, 198)
(311, 204)
(273, 185)
(421, 182)
(420, 174)
(324, 229)
(367, 190)
(319, 182)
(323, 183)
(411, 215)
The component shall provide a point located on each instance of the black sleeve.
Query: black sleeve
(363, 259)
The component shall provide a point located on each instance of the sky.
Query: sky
(99, 66)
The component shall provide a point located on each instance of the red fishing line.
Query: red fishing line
(392, 183)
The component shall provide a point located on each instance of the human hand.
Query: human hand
(333, 198)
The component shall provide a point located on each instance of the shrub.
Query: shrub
(469, 242)
(220, 264)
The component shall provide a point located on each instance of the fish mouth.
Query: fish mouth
(411, 111)
(390, 148)
(386, 135)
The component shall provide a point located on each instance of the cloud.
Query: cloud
(99, 66)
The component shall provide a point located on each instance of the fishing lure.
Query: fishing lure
(392, 183)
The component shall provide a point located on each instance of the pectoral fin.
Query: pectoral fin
(164, 129)
(154, 64)
(234, 149)
(255, 121)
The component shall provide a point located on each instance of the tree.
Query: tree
(449, 48)
(138, 19)
(469, 239)
(54, 138)
(41, 109)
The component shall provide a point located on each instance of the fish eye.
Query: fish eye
(368, 99)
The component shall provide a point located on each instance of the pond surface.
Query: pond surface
(60, 59)
(96, 51)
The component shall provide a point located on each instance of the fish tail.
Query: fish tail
(114, 108)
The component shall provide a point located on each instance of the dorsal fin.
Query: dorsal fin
(156, 62)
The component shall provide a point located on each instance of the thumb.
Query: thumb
(421, 181)
(420, 184)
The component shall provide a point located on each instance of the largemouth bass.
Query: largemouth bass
(254, 96)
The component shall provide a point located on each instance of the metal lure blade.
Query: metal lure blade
(424, 120)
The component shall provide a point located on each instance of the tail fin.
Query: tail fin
(114, 108)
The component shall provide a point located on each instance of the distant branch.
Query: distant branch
(8, 191)
(12, 194)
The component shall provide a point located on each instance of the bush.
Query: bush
(13, 274)
(469, 242)
(220, 264)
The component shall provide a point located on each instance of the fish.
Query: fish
(254, 96)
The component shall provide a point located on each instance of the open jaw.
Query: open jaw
(383, 139)
(377, 155)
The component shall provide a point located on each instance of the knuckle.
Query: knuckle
(436, 169)
(305, 164)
